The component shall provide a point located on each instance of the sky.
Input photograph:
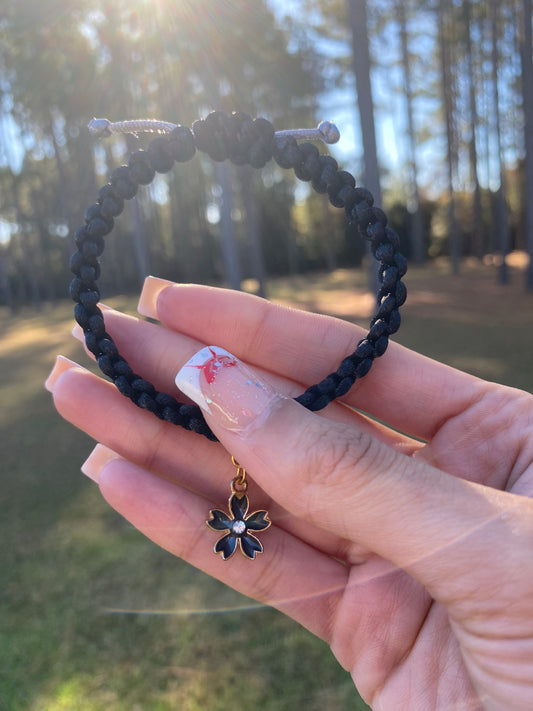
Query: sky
(391, 115)
(340, 106)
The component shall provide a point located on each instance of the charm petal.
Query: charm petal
(258, 521)
(239, 506)
(226, 545)
(250, 545)
(219, 520)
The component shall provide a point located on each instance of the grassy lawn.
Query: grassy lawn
(94, 617)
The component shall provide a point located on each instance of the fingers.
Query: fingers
(350, 484)
(96, 407)
(157, 353)
(290, 575)
(360, 612)
(408, 391)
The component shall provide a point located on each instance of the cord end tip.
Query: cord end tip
(99, 127)
(330, 132)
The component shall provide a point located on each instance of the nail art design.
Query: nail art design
(226, 388)
(219, 359)
(230, 392)
(238, 523)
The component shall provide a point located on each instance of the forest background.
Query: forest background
(441, 91)
(434, 102)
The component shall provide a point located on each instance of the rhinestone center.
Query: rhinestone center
(239, 527)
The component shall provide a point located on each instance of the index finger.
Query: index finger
(409, 391)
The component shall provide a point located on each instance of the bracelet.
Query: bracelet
(244, 141)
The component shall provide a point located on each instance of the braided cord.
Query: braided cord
(244, 141)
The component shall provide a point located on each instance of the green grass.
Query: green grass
(467, 321)
(94, 617)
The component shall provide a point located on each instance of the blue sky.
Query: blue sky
(390, 110)
(340, 106)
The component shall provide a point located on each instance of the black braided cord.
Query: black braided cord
(244, 141)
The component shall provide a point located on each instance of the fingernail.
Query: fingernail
(97, 460)
(60, 366)
(226, 389)
(152, 287)
(77, 332)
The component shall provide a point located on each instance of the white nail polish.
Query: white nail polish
(225, 388)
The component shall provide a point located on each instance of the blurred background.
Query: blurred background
(434, 101)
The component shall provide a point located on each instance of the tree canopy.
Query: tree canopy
(447, 92)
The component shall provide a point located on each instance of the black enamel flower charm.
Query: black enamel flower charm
(238, 528)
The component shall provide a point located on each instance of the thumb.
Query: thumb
(345, 481)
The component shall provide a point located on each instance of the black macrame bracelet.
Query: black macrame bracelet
(243, 141)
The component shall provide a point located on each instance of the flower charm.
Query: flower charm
(238, 528)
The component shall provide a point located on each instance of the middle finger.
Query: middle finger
(174, 454)
(157, 353)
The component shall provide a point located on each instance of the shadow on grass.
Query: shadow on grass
(469, 322)
(82, 592)
(93, 616)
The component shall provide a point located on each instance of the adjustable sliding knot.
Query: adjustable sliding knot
(244, 141)
(239, 485)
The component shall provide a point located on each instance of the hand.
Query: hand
(407, 546)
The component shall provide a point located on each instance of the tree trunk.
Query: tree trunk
(417, 237)
(527, 92)
(230, 252)
(31, 285)
(501, 201)
(5, 286)
(33, 292)
(478, 229)
(138, 228)
(253, 233)
(448, 100)
(361, 66)
(140, 246)
(328, 230)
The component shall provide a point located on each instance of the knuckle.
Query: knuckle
(337, 460)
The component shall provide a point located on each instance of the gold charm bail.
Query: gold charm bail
(239, 485)
(238, 523)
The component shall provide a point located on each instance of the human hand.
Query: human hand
(412, 559)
